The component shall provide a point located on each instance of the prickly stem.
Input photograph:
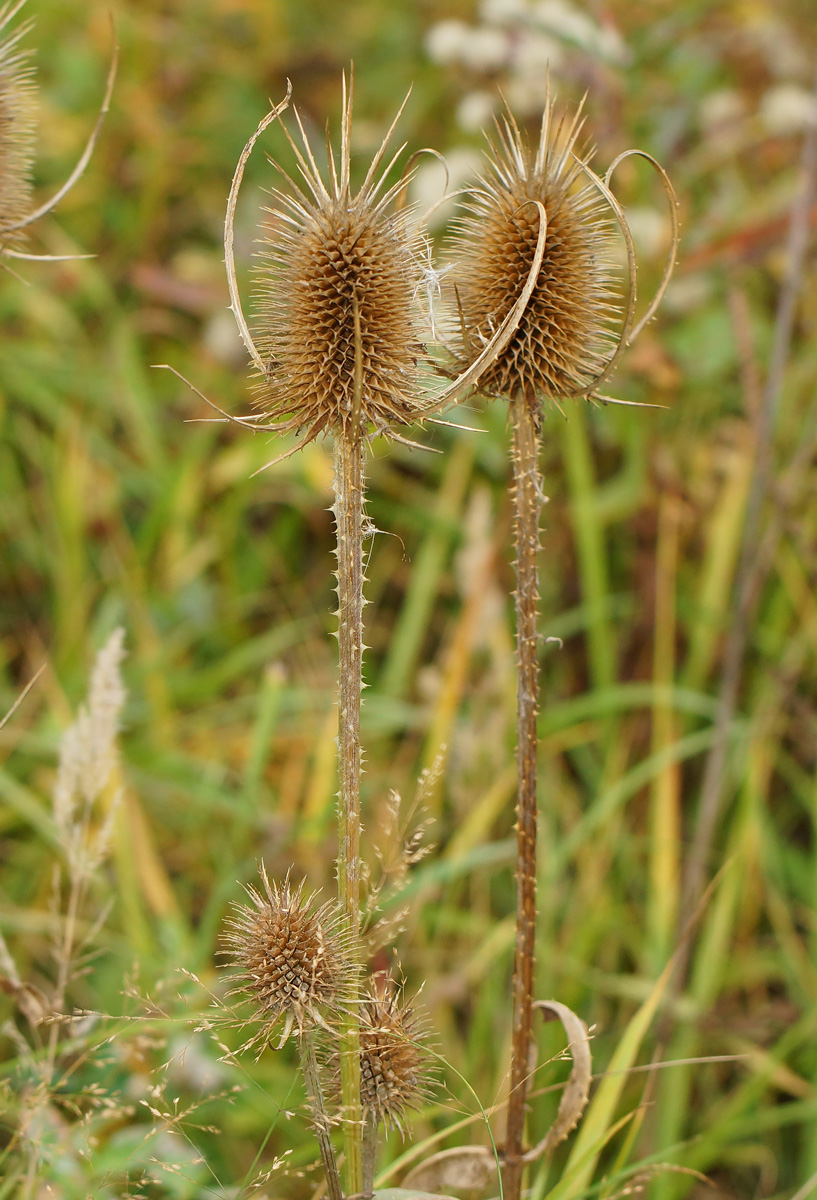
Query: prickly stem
(527, 493)
(320, 1120)
(349, 522)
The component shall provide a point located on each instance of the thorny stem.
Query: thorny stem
(320, 1121)
(348, 510)
(527, 493)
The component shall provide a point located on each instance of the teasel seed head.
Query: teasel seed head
(293, 958)
(567, 332)
(395, 1063)
(338, 316)
(17, 128)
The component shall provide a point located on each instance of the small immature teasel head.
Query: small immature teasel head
(292, 957)
(395, 1071)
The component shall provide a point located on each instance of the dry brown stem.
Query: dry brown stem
(348, 510)
(527, 496)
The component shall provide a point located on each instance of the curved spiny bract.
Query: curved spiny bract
(17, 129)
(339, 322)
(568, 331)
(293, 958)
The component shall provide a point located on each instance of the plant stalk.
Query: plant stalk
(320, 1120)
(528, 499)
(348, 510)
(369, 1155)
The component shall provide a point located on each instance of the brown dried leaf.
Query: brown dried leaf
(462, 1167)
(406, 1194)
(577, 1089)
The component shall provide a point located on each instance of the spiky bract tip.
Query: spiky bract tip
(17, 129)
(293, 957)
(567, 332)
(338, 319)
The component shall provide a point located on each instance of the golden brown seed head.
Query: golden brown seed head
(395, 1071)
(17, 131)
(293, 958)
(338, 310)
(566, 334)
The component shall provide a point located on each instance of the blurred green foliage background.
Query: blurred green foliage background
(115, 508)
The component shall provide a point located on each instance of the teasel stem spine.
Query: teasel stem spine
(320, 1120)
(348, 509)
(528, 500)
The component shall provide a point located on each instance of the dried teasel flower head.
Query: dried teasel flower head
(17, 127)
(17, 131)
(395, 1063)
(292, 956)
(338, 327)
(577, 321)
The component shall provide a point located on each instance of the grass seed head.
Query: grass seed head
(339, 318)
(566, 333)
(394, 1062)
(293, 959)
(17, 129)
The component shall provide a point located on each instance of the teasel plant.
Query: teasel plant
(18, 128)
(338, 350)
(572, 334)
(397, 1064)
(295, 961)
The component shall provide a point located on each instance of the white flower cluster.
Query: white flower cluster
(520, 40)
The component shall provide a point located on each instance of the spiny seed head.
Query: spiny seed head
(395, 1073)
(566, 333)
(293, 958)
(338, 309)
(17, 129)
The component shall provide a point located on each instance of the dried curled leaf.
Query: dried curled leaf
(407, 1194)
(462, 1167)
(577, 1089)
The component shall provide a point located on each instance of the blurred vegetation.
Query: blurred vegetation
(115, 509)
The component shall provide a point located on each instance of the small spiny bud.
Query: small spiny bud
(293, 958)
(395, 1071)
